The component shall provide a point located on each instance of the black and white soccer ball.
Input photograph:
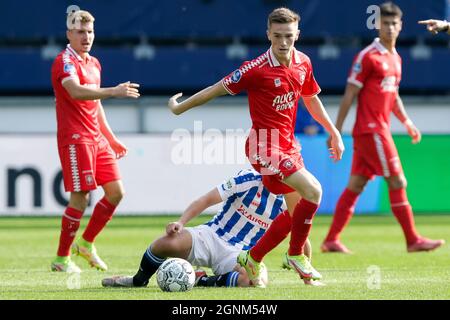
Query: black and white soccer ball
(175, 275)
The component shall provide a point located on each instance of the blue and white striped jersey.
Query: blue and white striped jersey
(247, 211)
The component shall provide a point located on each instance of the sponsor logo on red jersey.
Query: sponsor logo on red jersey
(284, 101)
(389, 84)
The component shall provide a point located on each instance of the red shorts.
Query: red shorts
(86, 166)
(375, 154)
(275, 165)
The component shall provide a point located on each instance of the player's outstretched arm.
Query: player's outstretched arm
(79, 92)
(197, 99)
(400, 112)
(318, 112)
(193, 210)
(435, 26)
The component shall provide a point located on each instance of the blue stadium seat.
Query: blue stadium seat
(25, 70)
(183, 19)
(191, 69)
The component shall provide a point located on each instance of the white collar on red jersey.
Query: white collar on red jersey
(75, 54)
(377, 43)
(273, 62)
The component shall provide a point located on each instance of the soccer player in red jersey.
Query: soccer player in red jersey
(88, 148)
(374, 79)
(275, 81)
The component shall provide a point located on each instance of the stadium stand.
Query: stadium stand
(190, 44)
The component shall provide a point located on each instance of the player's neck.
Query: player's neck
(388, 44)
(83, 55)
(286, 61)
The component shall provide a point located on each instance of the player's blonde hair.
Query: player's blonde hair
(76, 18)
(282, 15)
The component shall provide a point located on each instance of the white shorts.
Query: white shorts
(208, 250)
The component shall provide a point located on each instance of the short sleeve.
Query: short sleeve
(239, 80)
(66, 70)
(227, 188)
(239, 184)
(310, 86)
(360, 71)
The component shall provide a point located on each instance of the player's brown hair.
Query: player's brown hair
(282, 15)
(390, 9)
(77, 17)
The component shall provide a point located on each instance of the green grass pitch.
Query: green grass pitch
(380, 268)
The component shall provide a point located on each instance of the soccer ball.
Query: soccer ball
(175, 275)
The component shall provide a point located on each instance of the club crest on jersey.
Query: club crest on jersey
(277, 82)
(69, 68)
(89, 180)
(237, 75)
(357, 67)
(288, 164)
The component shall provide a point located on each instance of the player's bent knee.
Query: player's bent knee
(398, 182)
(403, 183)
(176, 246)
(115, 196)
(313, 194)
(358, 188)
(79, 200)
(357, 183)
(164, 247)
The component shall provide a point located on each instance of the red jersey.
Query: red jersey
(273, 93)
(77, 120)
(377, 72)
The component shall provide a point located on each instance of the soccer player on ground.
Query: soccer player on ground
(275, 81)
(88, 149)
(248, 209)
(435, 26)
(374, 79)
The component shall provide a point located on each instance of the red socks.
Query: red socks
(69, 226)
(301, 225)
(274, 235)
(70, 223)
(103, 212)
(403, 212)
(344, 211)
(399, 204)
